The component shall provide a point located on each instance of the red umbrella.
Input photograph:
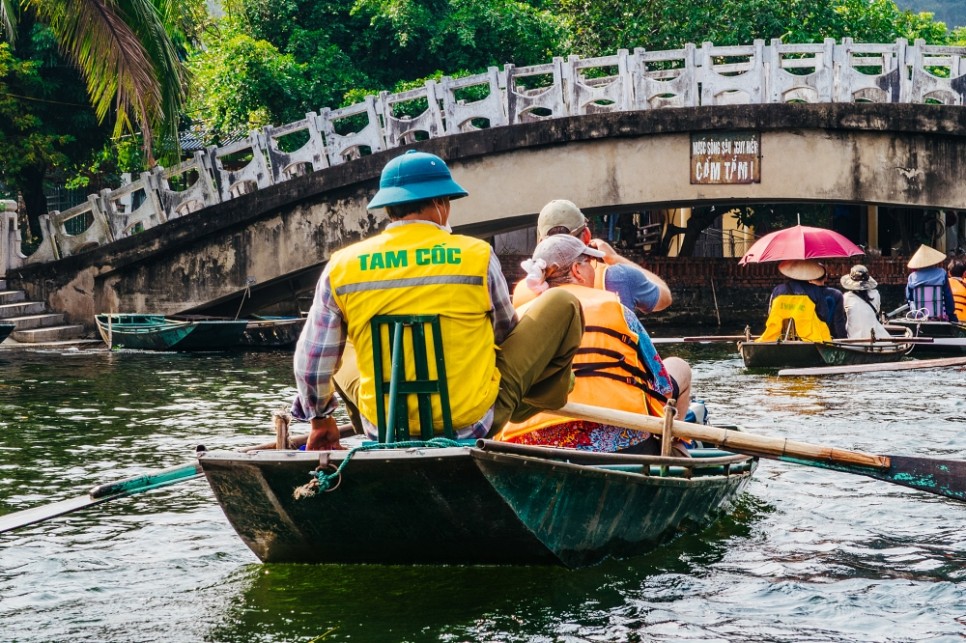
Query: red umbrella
(800, 242)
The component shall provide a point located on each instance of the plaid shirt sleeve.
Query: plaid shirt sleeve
(504, 316)
(318, 353)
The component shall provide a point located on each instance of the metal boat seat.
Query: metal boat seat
(401, 341)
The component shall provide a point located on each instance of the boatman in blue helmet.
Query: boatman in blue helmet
(499, 367)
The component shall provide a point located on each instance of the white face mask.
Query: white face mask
(444, 226)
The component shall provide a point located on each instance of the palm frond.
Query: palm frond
(126, 56)
(8, 20)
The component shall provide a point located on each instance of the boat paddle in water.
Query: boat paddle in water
(938, 476)
(126, 487)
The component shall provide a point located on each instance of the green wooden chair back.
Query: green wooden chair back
(392, 392)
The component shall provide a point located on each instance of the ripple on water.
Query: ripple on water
(805, 555)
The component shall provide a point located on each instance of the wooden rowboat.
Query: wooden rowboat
(801, 354)
(159, 333)
(483, 503)
(261, 332)
(5, 330)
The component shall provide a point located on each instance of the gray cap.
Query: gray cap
(560, 213)
(562, 250)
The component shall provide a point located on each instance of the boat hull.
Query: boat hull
(458, 505)
(792, 354)
(935, 330)
(159, 333)
(799, 354)
(273, 333)
(5, 330)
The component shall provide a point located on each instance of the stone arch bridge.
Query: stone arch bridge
(844, 123)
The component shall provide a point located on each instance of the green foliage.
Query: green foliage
(331, 49)
(243, 83)
(601, 27)
(951, 12)
(45, 132)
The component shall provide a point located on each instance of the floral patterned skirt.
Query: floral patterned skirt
(583, 435)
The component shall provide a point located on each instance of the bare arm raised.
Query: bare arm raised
(612, 258)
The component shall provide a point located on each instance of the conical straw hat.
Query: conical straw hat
(925, 257)
(801, 269)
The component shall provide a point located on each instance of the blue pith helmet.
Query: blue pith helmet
(415, 176)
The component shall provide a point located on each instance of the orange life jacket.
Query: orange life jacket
(607, 365)
(523, 295)
(958, 286)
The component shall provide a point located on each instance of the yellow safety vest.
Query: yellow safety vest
(523, 295)
(801, 309)
(958, 286)
(421, 269)
(607, 366)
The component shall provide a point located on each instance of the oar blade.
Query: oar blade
(941, 477)
(99, 494)
(33, 515)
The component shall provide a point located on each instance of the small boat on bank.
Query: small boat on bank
(936, 330)
(795, 353)
(261, 332)
(159, 333)
(483, 503)
(5, 330)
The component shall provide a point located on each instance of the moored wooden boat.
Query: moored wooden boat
(488, 503)
(801, 354)
(159, 333)
(6, 329)
(261, 332)
(272, 332)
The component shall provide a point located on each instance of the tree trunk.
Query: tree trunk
(35, 201)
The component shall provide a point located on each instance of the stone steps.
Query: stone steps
(35, 326)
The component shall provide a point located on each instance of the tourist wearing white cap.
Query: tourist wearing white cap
(862, 305)
(927, 288)
(499, 366)
(616, 362)
(638, 288)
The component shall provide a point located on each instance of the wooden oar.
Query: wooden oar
(871, 368)
(128, 487)
(942, 477)
(702, 339)
(100, 493)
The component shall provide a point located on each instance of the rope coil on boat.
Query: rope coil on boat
(326, 477)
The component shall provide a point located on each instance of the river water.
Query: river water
(804, 555)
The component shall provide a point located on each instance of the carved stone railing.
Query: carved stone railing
(824, 72)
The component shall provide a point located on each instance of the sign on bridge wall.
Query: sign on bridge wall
(726, 158)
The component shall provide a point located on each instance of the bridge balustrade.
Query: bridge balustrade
(665, 78)
(800, 73)
(461, 115)
(366, 139)
(642, 80)
(124, 219)
(199, 189)
(404, 129)
(310, 156)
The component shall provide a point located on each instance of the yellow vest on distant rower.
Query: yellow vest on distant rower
(413, 269)
(801, 309)
(607, 366)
